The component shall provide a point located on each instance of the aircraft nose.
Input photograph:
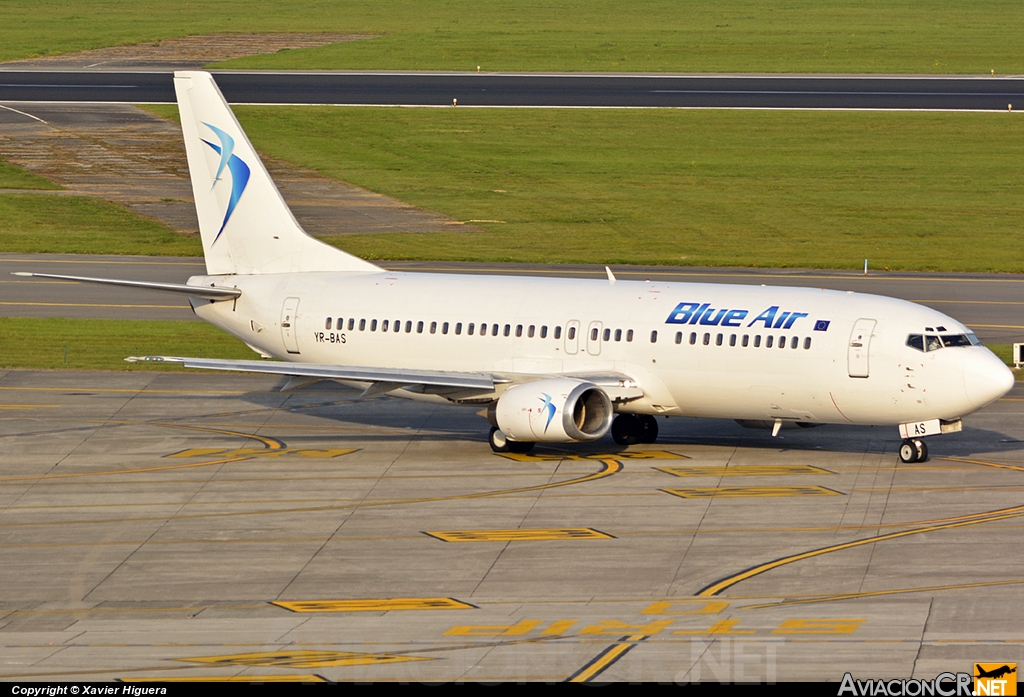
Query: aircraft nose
(986, 378)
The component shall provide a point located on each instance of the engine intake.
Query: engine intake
(559, 410)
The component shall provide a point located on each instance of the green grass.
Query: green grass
(101, 344)
(38, 223)
(13, 177)
(931, 191)
(845, 36)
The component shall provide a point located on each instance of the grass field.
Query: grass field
(13, 177)
(34, 223)
(845, 36)
(931, 191)
(97, 344)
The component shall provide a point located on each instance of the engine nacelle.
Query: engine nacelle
(559, 410)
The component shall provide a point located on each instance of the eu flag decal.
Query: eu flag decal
(821, 325)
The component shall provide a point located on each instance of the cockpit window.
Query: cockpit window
(932, 342)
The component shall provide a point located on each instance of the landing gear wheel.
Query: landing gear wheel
(649, 424)
(627, 429)
(921, 449)
(912, 451)
(501, 444)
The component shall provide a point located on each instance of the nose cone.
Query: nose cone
(986, 378)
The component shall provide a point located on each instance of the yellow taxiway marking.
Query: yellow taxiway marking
(373, 605)
(742, 470)
(304, 659)
(962, 521)
(522, 534)
(101, 262)
(264, 452)
(232, 678)
(625, 455)
(604, 660)
(732, 492)
(872, 594)
(997, 465)
(972, 302)
(996, 326)
(24, 407)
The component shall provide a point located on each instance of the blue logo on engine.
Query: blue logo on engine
(549, 408)
(238, 169)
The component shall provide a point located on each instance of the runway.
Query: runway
(182, 526)
(991, 304)
(531, 89)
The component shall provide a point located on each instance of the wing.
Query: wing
(455, 385)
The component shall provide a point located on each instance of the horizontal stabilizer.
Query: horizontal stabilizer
(399, 378)
(209, 292)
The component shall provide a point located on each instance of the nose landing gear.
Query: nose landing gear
(913, 450)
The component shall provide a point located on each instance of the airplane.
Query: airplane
(554, 360)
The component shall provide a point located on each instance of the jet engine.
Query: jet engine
(559, 410)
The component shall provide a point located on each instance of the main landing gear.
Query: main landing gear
(501, 444)
(913, 450)
(630, 429)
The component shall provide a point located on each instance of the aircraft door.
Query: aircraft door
(594, 339)
(860, 345)
(572, 337)
(289, 333)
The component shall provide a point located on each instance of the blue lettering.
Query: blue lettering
(698, 313)
(706, 317)
(768, 316)
(782, 318)
(733, 318)
(681, 315)
(793, 318)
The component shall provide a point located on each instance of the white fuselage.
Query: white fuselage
(728, 351)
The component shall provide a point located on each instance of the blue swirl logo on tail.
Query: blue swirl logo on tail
(548, 407)
(238, 169)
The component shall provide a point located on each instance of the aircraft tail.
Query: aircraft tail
(246, 226)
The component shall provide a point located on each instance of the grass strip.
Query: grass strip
(924, 191)
(14, 177)
(34, 223)
(843, 36)
(103, 344)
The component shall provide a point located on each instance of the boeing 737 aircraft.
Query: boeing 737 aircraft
(555, 360)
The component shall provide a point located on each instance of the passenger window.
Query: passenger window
(718, 340)
(654, 336)
(693, 338)
(419, 327)
(362, 325)
(807, 343)
(679, 337)
(558, 332)
(746, 340)
(732, 339)
(757, 341)
(327, 325)
(768, 340)
(607, 334)
(408, 326)
(508, 329)
(458, 328)
(373, 325)
(383, 326)
(796, 342)
(469, 329)
(707, 339)
(618, 335)
(494, 330)
(352, 323)
(398, 325)
(593, 334)
(782, 342)
(529, 332)
(519, 330)
(444, 328)
(570, 335)
(544, 331)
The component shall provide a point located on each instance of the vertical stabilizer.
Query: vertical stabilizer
(245, 224)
